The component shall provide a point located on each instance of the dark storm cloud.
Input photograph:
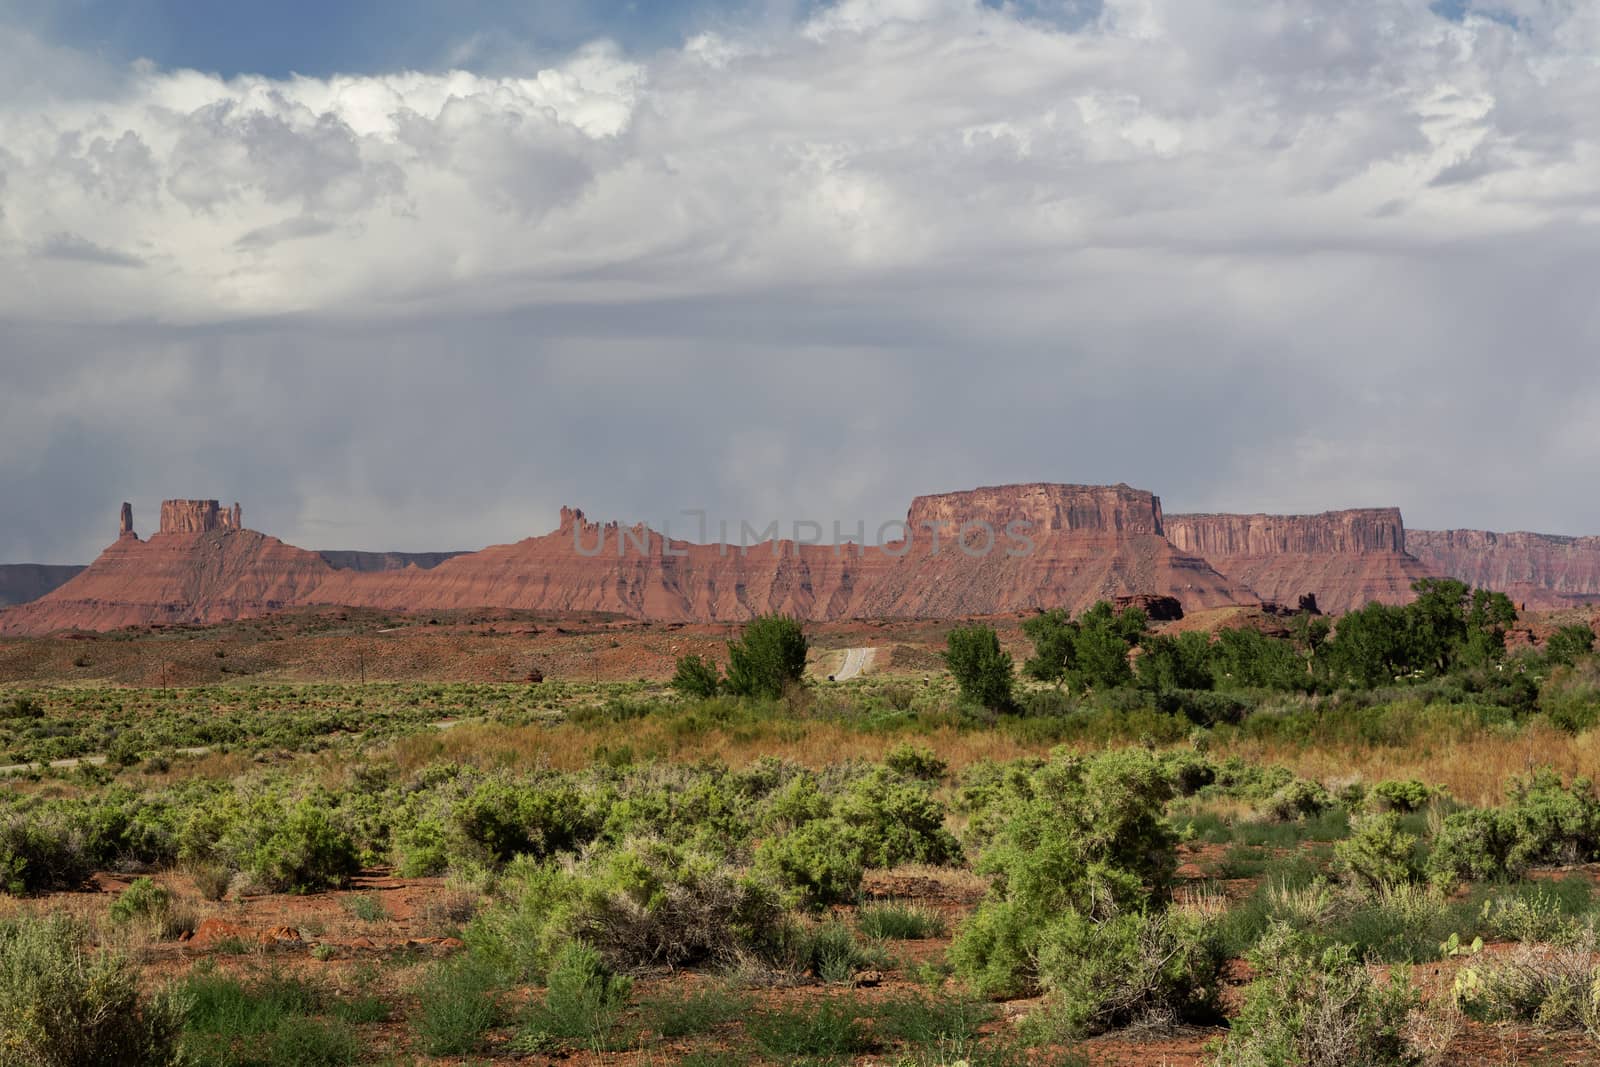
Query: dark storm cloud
(1289, 258)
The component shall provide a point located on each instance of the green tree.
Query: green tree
(1181, 662)
(981, 667)
(1372, 646)
(1568, 643)
(1249, 659)
(1488, 616)
(696, 677)
(1436, 624)
(1055, 639)
(1090, 652)
(768, 658)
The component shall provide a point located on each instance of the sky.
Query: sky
(414, 275)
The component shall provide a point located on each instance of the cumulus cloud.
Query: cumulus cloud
(1283, 255)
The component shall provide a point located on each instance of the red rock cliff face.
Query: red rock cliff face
(1048, 509)
(196, 516)
(1540, 570)
(1086, 543)
(202, 570)
(1345, 558)
(1362, 531)
(1042, 546)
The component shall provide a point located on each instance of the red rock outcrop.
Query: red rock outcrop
(1085, 543)
(208, 572)
(1544, 571)
(125, 524)
(1025, 547)
(1346, 559)
(199, 516)
(984, 551)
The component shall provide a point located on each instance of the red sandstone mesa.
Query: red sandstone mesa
(984, 551)
(1540, 570)
(200, 567)
(1085, 543)
(1346, 559)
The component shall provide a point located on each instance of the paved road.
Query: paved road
(856, 661)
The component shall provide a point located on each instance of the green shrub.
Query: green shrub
(1399, 922)
(582, 1003)
(644, 904)
(1542, 912)
(367, 907)
(769, 657)
(1553, 986)
(305, 852)
(1190, 772)
(1299, 799)
(39, 854)
(211, 880)
(1081, 838)
(829, 1028)
(1407, 796)
(303, 1042)
(1319, 1007)
(649, 904)
(458, 1006)
(696, 677)
(1471, 846)
(893, 920)
(1136, 968)
(1544, 823)
(896, 822)
(674, 1014)
(1201, 707)
(1568, 643)
(146, 903)
(227, 1008)
(501, 819)
(1377, 853)
(913, 761)
(820, 862)
(980, 667)
(828, 950)
(22, 707)
(919, 1020)
(421, 847)
(62, 1004)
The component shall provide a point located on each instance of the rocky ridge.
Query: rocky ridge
(1346, 559)
(986, 551)
(1543, 571)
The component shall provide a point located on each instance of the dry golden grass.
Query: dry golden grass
(1475, 770)
(812, 744)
